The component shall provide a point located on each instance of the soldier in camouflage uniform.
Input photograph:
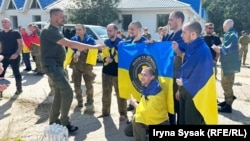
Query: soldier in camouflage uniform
(230, 64)
(81, 68)
(244, 41)
(109, 74)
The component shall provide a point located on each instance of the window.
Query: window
(162, 20)
(36, 18)
(11, 5)
(35, 5)
(126, 20)
(90, 33)
(14, 22)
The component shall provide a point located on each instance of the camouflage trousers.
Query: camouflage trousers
(227, 85)
(243, 53)
(108, 82)
(36, 52)
(85, 72)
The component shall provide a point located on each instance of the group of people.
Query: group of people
(17, 45)
(195, 61)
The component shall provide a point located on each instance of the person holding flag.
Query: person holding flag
(196, 81)
(109, 74)
(148, 111)
(81, 69)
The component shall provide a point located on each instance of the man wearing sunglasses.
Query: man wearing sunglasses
(212, 40)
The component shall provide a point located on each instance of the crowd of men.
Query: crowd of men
(194, 54)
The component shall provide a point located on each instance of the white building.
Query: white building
(154, 13)
(151, 13)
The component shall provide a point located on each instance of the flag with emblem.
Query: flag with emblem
(132, 58)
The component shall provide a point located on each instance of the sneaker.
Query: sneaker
(18, 92)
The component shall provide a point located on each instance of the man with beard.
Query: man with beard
(53, 55)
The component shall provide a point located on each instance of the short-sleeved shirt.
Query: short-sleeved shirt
(9, 42)
(210, 40)
(52, 54)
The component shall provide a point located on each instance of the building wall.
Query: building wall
(24, 18)
(149, 18)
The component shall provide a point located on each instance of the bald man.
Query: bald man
(230, 64)
(11, 46)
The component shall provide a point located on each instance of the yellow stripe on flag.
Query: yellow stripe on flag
(167, 87)
(92, 56)
(127, 88)
(68, 57)
(205, 102)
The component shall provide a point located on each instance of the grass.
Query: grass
(6, 136)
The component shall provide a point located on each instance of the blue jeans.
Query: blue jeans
(26, 60)
(63, 95)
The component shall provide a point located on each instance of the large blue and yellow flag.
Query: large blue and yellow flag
(132, 58)
(199, 81)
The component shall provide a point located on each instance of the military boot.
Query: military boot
(225, 109)
(222, 104)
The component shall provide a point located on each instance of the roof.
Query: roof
(195, 4)
(19, 3)
(45, 3)
(204, 14)
(134, 4)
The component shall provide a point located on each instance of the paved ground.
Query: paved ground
(26, 116)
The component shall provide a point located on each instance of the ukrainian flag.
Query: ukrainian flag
(132, 58)
(68, 57)
(199, 81)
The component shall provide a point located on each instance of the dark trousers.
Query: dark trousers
(26, 60)
(188, 112)
(63, 95)
(15, 64)
(174, 118)
(140, 130)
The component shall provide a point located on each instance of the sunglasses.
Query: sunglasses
(210, 28)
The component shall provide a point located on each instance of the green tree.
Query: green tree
(220, 10)
(96, 12)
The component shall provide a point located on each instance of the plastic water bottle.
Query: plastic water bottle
(56, 132)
